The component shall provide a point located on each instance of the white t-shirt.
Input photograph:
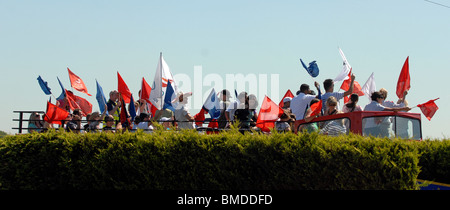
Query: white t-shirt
(180, 116)
(299, 104)
(373, 106)
(144, 125)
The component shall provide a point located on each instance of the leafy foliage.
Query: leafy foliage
(189, 160)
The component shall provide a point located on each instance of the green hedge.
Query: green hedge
(188, 160)
(434, 160)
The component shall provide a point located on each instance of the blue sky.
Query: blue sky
(95, 39)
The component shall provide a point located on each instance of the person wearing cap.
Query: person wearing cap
(287, 103)
(181, 113)
(299, 103)
(165, 121)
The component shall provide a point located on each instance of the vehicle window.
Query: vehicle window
(334, 127)
(378, 127)
(407, 128)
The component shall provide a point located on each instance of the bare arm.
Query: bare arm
(350, 90)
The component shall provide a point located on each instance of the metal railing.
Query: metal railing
(21, 127)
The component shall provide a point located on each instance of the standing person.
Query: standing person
(391, 104)
(328, 84)
(114, 105)
(299, 103)
(374, 126)
(231, 109)
(352, 105)
(181, 113)
(225, 102)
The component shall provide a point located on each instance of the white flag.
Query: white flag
(345, 68)
(369, 87)
(162, 77)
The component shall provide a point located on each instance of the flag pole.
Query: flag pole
(161, 67)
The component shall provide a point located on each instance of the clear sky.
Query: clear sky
(97, 38)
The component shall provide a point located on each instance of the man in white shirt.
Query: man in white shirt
(300, 103)
(182, 115)
(328, 84)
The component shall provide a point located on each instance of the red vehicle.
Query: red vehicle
(366, 123)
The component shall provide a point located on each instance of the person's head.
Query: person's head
(304, 88)
(165, 122)
(114, 95)
(225, 95)
(144, 117)
(377, 96)
(252, 102)
(287, 102)
(332, 103)
(94, 116)
(109, 119)
(35, 119)
(328, 84)
(242, 96)
(315, 100)
(182, 97)
(353, 100)
(383, 92)
(77, 114)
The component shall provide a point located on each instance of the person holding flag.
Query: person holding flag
(299, 103)
(376, 127)
(328, 84)
(181, 113)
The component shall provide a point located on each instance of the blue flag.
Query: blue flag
(168, 97)
(132, 108)
(100, 97)
(212, 105)
(312, 69)
(44, 86)
(63, 94)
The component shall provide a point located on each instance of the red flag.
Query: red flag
(404, 79)
(77, 83)
(316, 108)
(77, 102)
(145, 91)
(54, 114)
(200, 117)
(429, 108)
(268, 114)
(356, 86)
(213, 124)
(287, 94)
(123, 89)
(124, 116)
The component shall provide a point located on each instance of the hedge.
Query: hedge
(434, 160)
(188, 160)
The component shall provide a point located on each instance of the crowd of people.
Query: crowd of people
(241, 111)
